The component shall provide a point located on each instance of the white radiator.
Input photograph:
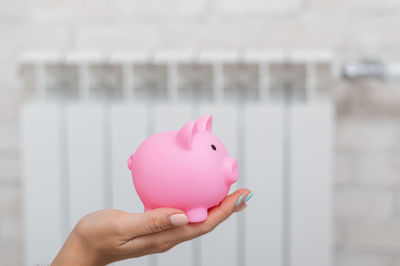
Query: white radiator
(75, 157)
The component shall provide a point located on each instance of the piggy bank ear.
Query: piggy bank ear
(185, 135)
(204, 123)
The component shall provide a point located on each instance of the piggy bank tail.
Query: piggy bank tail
(130, 162)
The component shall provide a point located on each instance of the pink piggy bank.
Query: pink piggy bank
(188, 169)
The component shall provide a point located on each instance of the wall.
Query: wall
(367, 199)
(367, 174)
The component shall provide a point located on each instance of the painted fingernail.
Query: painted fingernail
(239, 200)
(178, 219)
(248, 197)
(242, 207)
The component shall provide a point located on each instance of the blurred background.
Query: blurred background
(343, 54)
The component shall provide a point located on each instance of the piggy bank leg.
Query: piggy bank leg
(197, 215)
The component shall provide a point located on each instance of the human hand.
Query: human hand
(111, 235)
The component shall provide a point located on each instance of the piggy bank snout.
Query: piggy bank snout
(231, 170)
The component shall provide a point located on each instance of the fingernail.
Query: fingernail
(242, 208)
(178, 219)
(239, 200)
(248, 197)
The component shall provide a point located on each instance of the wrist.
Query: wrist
(76, 252)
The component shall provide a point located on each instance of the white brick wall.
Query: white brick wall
(362, 259)
(367, 185)
(376, 236)
(10, 168)
(70, 10)
(356, 204)
(9, 135)
(113, 37)
(345, 170)
(157, 10)
(258, 8)
(379, 169)
(375, 134)
(10, 198)
(38, 37)
(355, 7)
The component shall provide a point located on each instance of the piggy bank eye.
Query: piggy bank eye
(213, 147)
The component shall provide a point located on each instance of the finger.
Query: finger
(154, 221)
(164, 240)
(217, 215)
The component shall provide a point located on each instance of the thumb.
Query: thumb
(157, 220)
